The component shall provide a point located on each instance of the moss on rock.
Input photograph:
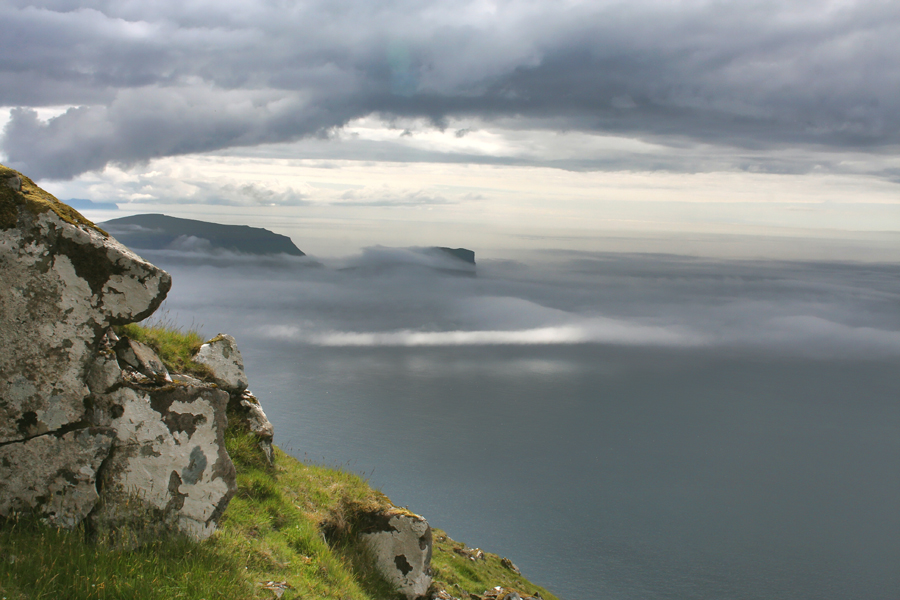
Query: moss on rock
(17, 190)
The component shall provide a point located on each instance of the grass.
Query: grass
(273, 531)
(174, 346)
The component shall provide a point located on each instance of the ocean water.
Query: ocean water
(621, 426)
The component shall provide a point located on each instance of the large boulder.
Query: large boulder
(168, 459)
(92, 426)
(400, 544)
(64, 283)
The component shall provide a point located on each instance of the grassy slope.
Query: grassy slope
(271, 531)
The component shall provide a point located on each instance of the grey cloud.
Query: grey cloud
(171, 78)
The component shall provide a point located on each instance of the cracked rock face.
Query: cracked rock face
(64, 284)
(92, 427)
(54, 475)
(401, 546)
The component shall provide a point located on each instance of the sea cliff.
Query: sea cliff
(135, 462)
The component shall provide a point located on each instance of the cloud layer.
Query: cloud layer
(171, 78)
(390, 297)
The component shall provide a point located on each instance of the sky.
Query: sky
(752, 129)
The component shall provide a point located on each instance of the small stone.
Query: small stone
(105, 373)
(249, 413)
(509, 565)
(185, 379)
(142, 359)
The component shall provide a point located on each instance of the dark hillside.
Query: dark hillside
(159, 232)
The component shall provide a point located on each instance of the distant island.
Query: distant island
(162, 232)
(460, 253)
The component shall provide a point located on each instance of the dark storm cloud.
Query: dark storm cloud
(169, 78)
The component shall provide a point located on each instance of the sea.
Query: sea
(623, 426)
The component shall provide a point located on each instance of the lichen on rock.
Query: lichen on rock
(222, 356)
(54, 476)
(92, 427)
(400, 543)
(65, 283)
(168, 459)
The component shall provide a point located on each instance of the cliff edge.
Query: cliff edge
(102, 433)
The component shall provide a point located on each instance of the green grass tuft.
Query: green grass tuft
(175, 347)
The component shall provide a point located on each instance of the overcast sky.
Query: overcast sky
(560, 114)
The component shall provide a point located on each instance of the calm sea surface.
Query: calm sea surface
(621, 427)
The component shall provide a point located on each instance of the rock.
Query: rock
(400, 544)
(471, 553)
(508, 564)
(185, 379)
(14, 182)
(92, 427)
(224, 359)
(500, 593)
(168, 461)
(105, 373)
(247, 411)
(141, 358)
(64, 283)
(52, 476)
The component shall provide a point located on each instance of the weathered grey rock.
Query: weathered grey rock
(400, 543)
(168, 460)
(141, 358)
(186, 379)
(472, 554)
(222, 356)
(64, 283)
(501, 593)
(105, 373)
(81, 437)
(246, 409)
(508, 564)
(52, 476)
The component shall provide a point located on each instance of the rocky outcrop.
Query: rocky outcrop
(400, 543)
(64, 283)
(92, 427)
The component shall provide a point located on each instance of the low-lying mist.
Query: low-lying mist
(409, 297)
